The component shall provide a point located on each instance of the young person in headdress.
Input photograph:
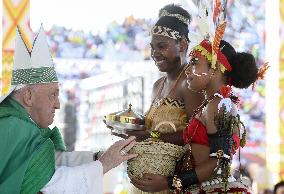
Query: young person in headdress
(172, 104)
(28, 146)
(171, 101)
(213, 134)
(215, 131)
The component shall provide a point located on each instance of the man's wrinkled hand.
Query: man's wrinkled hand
(117, 153)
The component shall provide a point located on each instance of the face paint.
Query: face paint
(194, 62)
(199, 75)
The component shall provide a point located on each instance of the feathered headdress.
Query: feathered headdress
(211, 23)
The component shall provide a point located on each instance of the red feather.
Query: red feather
(225, 91)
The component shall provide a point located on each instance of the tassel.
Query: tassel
(261, 73)
(219, 171)
(243, 140)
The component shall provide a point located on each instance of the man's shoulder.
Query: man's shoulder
(14, 120)
(13, 124)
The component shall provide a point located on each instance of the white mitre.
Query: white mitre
(35, 67)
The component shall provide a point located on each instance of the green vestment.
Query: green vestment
(27, 160)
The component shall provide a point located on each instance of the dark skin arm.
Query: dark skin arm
(174, 138)
(191, 99)
(204, 164)
(156, 182)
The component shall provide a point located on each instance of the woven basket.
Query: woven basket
(154, 157)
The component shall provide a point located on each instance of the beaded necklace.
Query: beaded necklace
(198, 110)
(188, 160)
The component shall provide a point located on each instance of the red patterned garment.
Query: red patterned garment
(197, 133)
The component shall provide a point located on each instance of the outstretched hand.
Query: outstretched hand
(117, 153)
(140, 135)
(151, 183)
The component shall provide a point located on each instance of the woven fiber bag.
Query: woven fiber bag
(154, 156)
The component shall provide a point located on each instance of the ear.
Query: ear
(183, 45)
(28, 97)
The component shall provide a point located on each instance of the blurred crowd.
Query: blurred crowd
(130, 40)
(246, 31)
(246, 26)
(127, 41)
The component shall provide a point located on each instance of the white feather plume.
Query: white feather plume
(205, 24)
(205, 19)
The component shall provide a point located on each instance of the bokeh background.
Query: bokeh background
(102, 56)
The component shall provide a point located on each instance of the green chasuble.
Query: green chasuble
(27, 160)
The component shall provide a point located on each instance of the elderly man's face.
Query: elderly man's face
(44, 102)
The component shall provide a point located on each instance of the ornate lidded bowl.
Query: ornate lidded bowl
(126, 120)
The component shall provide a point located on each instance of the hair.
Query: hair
(280, 184)
(18, 92)
(244, 69)
(172, 22)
